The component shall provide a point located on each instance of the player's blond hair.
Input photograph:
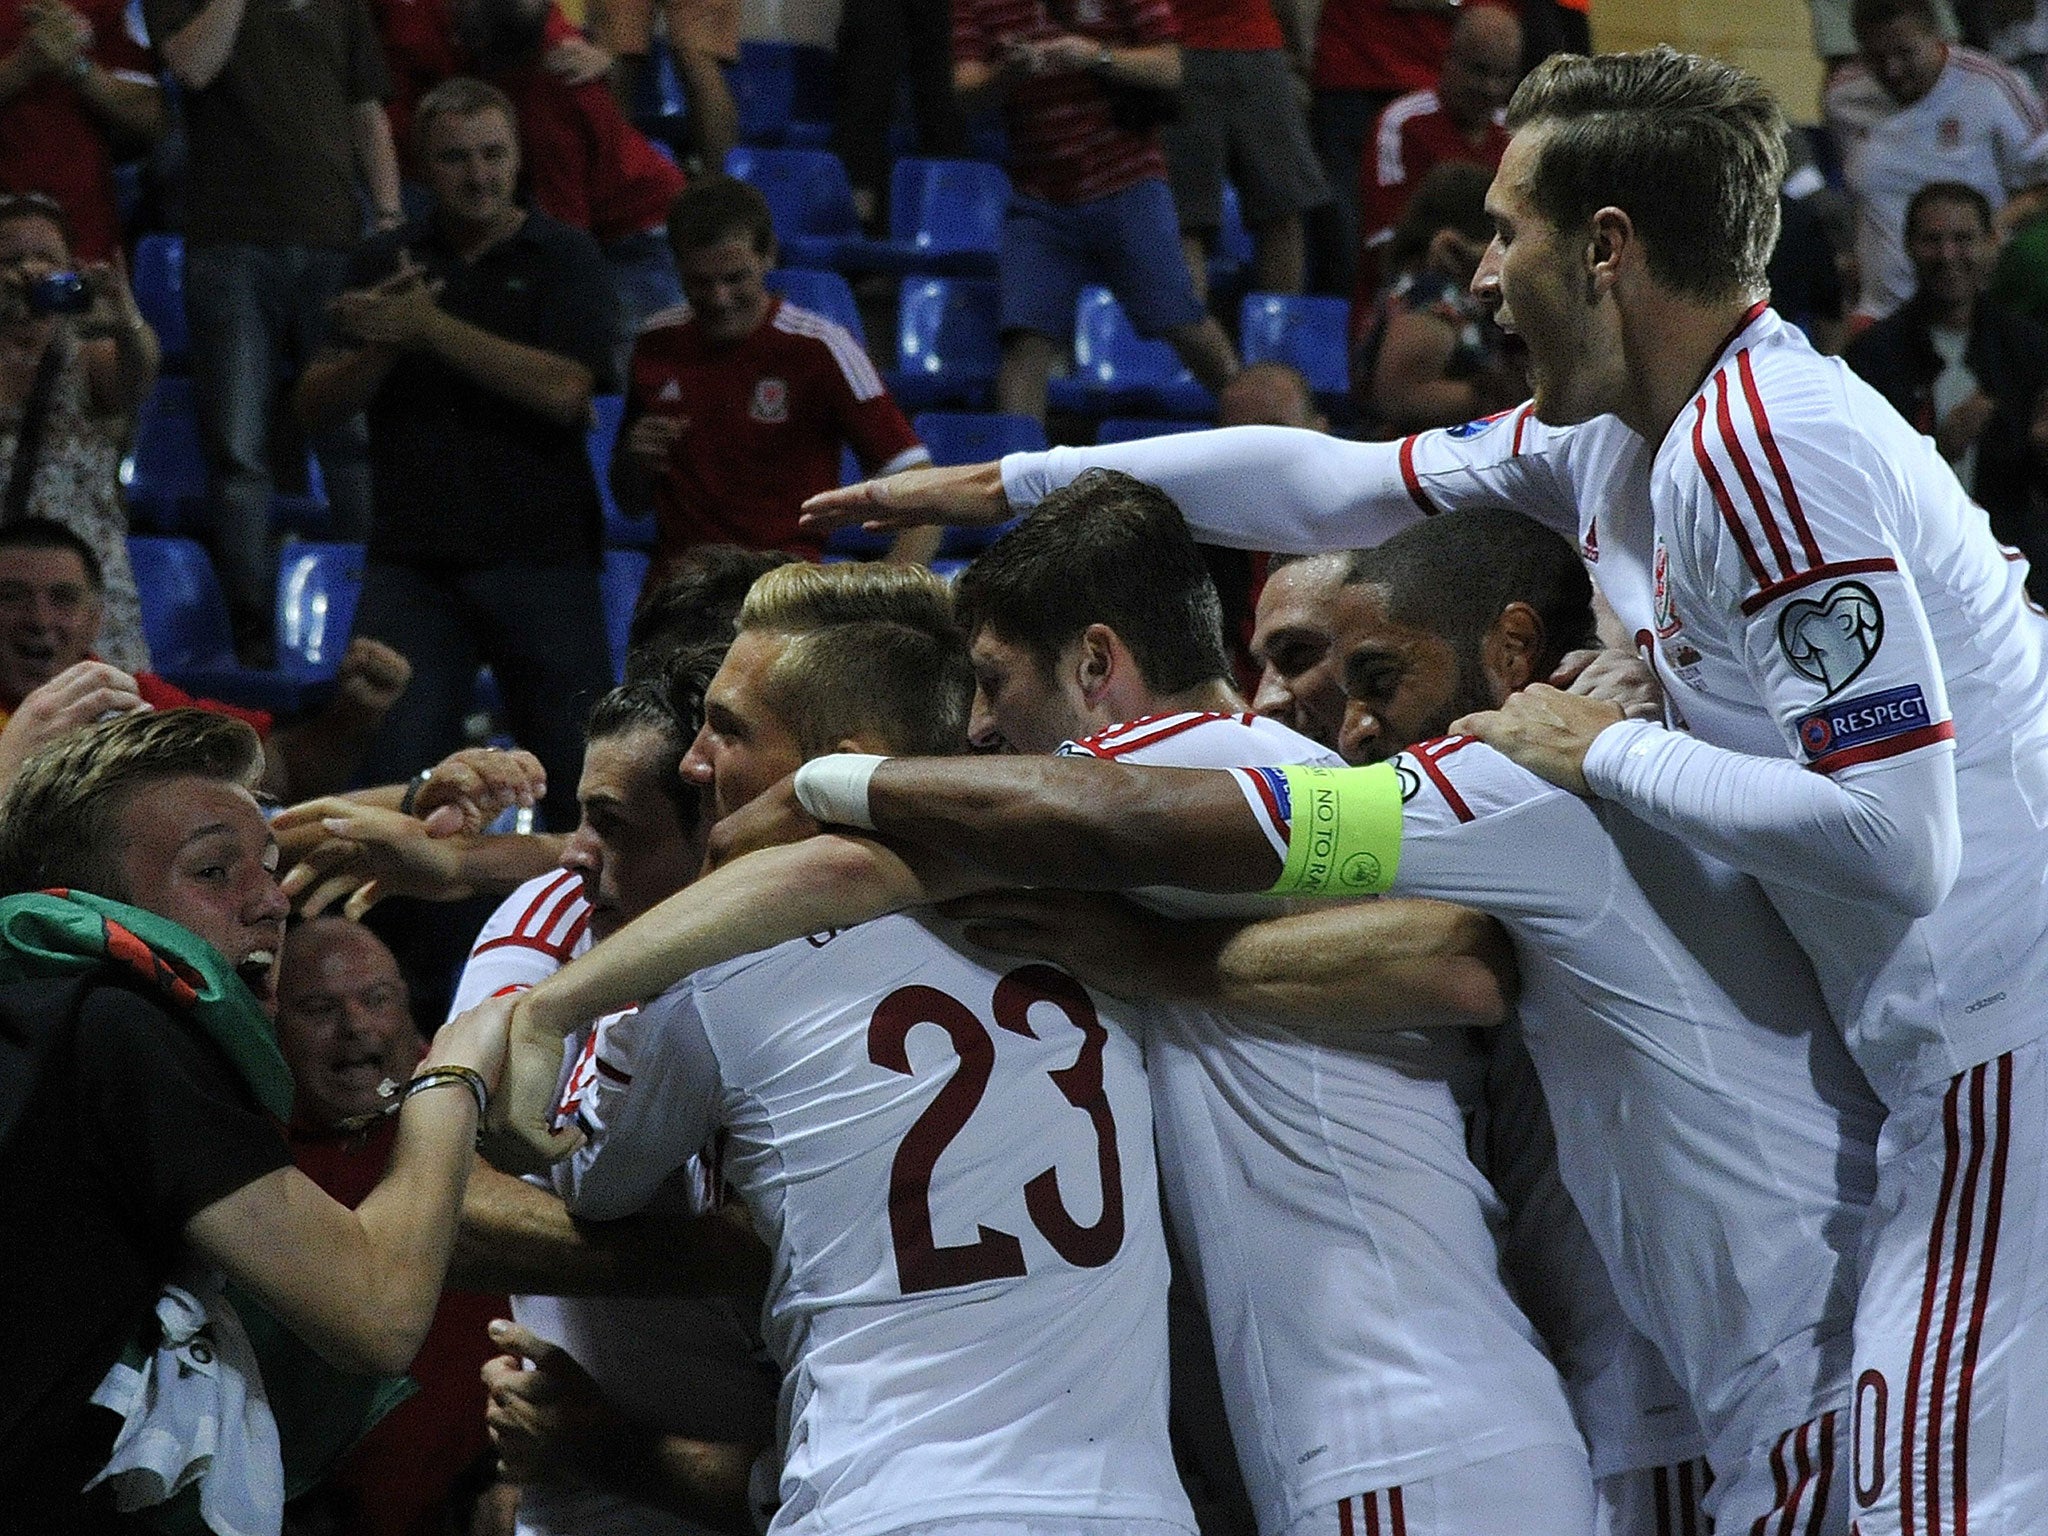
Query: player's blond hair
(1692, 150)
(873, 652)
(59, 823)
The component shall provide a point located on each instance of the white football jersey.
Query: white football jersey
(1710, 1128)
(1982, 125)
(1809, 581)
(535, 931)
(1631, 1409)
(954, 1167)
(1345, 1246)
(685, 1363)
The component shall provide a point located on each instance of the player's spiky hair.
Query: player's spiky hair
(1692, 150)
(1107, 549)
(1453, 575)
(873, 651)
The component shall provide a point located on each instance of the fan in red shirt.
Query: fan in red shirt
(1460, 118)
(737, 407)
(74, 86)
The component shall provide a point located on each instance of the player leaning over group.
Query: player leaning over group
(1345, 1246)
(1863, 687)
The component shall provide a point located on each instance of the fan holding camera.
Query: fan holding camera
(76, 359)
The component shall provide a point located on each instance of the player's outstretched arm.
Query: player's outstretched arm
(1068, 821)
(1275, 488)
(1346, 972)
(763, 899)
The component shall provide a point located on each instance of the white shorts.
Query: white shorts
(1797, 1486)
(1655, 1501)
(1951, 1332)
(1547, 1488)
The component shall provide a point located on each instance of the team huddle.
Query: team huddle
(1645, 1125)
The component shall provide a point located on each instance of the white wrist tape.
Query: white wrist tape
(834, 788)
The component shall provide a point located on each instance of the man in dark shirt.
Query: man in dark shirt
(476, 340)
(288, 139)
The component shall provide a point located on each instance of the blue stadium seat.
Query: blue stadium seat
(317, 589)
(1307, 332)
(784, 94)
(969, 437)
(1116, 372)
(620, 531)
(658, 109)
(185, 619)
(947, 346)
(808, 195)
(1128, 429)
(624, 572)
(164, 475)
(160, 294)
(823, 293)
(1231, 257)
(854, 543)
(945, 218)
(973, 437)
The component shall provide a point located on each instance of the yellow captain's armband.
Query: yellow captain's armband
(1345, 831)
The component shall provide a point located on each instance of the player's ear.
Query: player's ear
(1513, 648)
(1610, 241)
(1095, 659)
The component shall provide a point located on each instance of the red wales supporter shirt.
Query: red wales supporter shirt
(763, 421)
(1065, 146)
(587, 165)
(49, 143)
(1371, 45)
(1228, 26)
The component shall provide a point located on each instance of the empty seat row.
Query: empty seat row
(184, 617)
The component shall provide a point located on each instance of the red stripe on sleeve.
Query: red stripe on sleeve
(1878, 751)
(1763, 597)
(1757, 414)
(1728, 513)
(1410, 479)
(1522, 424)
(1444, 787)
(547, 893)
(1766, 517)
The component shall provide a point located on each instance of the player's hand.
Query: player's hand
(517, 1135)
(468, 790)
(370, 678)
(1108, 944)
(653, 438)
(771, 818)
(577, 61)
(83, 692)
(961, 496)
(1546, 730)
(544, 1421)
(1619, 677)
(364, 853)
(476, 1038)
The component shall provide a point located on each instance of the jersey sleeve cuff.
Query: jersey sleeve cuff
(1623, 745)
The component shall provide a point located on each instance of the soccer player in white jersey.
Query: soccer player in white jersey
(1859, 686)
(953, 1162)
(668, 1447)
(1376, 1370)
